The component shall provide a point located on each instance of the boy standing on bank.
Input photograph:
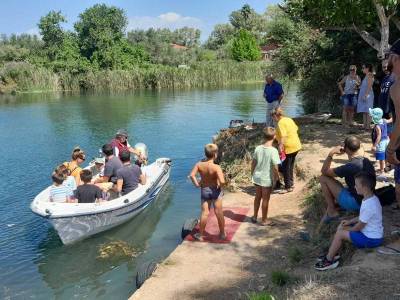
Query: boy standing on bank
(264, 173)
(212, 179)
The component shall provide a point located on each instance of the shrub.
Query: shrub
(260, 296)
(295, 255)
(280, 278)
(245, 47)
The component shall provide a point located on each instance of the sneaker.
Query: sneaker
(325, 264)
(321, 257)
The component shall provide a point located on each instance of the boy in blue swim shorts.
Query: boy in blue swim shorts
(364, 231)
(212, 179)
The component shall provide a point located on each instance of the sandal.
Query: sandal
(266, 223)
(253, 220)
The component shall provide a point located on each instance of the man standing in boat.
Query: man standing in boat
(273, 94)
(120, 143)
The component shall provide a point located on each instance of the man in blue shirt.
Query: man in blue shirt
(273, 94)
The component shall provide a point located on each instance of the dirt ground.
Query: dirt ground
(233, 271)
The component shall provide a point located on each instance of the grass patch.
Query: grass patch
(295, 255)
(260, 296)
(280, 278)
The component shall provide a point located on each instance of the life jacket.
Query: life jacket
(121, 147)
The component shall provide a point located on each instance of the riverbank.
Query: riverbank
(277, 260)
(23, 77)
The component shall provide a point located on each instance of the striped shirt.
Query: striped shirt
(59, 193)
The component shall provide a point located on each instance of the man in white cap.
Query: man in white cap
(120, 143)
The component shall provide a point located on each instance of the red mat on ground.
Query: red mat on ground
(234, 216)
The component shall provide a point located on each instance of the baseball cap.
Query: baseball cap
(99, 160)
(122, 132)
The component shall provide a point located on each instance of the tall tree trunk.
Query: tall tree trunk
(384, 29)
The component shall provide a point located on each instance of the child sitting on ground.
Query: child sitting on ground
(365, 231)
(58, 192)
(88, 193)
(380, 137)
(264, 172)
(212, 179)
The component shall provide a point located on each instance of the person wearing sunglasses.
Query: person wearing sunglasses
(77, 158)
(348, 87)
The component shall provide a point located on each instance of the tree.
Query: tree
(100, 28)
(220, 36)
(248, 19)
(360, 16)
(245, 47)
(51, 30)
(188, 37)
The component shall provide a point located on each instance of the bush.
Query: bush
(319, 89)
(245, 47)
(280, 278)
(295, 255)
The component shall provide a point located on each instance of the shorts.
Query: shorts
(349, 100)
(347, 201)
(210, 193)
(397, 174)
(360, 240)
(380, 155)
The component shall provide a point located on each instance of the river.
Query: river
(37, 132)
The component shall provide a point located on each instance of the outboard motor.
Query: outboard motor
(145, 155)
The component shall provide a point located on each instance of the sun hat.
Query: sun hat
(99, 160)
(376, 115)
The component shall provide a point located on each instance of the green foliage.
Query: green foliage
(260, 296)
(13, 53)
(248, 19)
(245, 47)
(220, 36)
(280, 278)
(50, 28)
(299, 43)
(99, 29)
(22, 76)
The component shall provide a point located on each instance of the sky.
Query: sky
(22, 16)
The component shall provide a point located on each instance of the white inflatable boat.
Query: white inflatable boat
(76, 221)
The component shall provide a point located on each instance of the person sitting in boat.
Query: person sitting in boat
(87, 192)
(69, 181)
(113, 163)
(77, 158)
(120, 143)
(58, 192)
(129, 176)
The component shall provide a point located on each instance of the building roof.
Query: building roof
(176, 46)
(269, 47)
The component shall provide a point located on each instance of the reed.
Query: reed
(26, 77)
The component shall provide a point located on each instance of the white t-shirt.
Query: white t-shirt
(371, 214)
